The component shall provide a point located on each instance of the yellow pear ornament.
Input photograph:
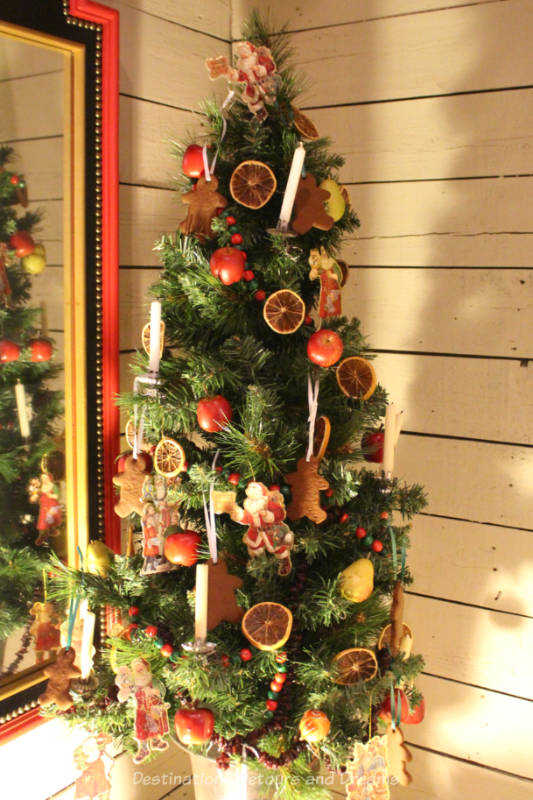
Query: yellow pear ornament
(357, 580)
(335, 204)
(98, 558)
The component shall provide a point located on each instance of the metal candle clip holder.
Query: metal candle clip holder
(386, 480)
(199, 647)
(282, 229)
(148, 385)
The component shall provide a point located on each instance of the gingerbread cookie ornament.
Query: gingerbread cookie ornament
(306, 485)
(309, 209)
(59, 674)
(130, 483)
(398, 756)
(204, 202)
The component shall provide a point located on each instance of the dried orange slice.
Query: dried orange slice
(146, 338)
(267, 625)
(252, 184)
(303, 125)
(385, 635)
(354, 665)
(129, 431)
(169, 457)
(356, 377)
(284, 311)
(321, 438)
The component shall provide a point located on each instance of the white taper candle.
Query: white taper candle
(392, 432)
(200, 619)
(22, 410)
(292, 187)
(87, 649)
(155, 335)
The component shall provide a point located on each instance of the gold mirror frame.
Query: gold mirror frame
(86, 36)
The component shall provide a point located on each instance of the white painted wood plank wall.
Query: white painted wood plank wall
(430, 102)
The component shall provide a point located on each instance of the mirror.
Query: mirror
(59, 100)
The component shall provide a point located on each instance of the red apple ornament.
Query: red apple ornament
(227, 264)
(408, 716)
(372, 443)
(41, 350)
(22, 243)
(182, 548)
(324, 347)
(194, 725)
(213, 413)
(9, 351)
(193, 161)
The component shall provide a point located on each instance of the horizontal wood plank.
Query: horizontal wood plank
(477, 311)
(144, 215)
(442, 137)
(469, 48)
(436, 777)
(207, 16)
(20, 59)
(164, 62)
(470, 397)
(316, 13)
(41, 163)
(470, 480)
(147, 132)
(473, 645)
(47, 288)
(475, 724)
(440, 249)
(461, 207)
(32, 110)
(483, 565)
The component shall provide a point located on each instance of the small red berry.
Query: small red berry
(249, 275)
(329, 492)
(231, 220)
(167, 650)
(234, 478)
(260, 295)
(280, 677)
(360, 533)
(244, 255)
(384, 515)
(245, 654)
(224, 661)
(275, 686)
(308, 319)
(14, 179)
(271, 705)
(133, 611)
(218, 468)
(236, 238)
(344, 518)
(377, 546)
(151, 631)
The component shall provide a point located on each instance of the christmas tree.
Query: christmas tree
(247, 447)
(29, 410)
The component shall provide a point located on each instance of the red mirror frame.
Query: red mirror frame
(105, 20)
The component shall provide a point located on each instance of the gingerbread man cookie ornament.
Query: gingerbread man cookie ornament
(398, 756)
(204, 202)
(306, 485)
(130, 483)
(59, 674)
(309, 209)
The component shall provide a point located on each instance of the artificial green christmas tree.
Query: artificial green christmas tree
(29, 407)
(256, 415)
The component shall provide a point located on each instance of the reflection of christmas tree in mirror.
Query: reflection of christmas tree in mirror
(32, 469)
